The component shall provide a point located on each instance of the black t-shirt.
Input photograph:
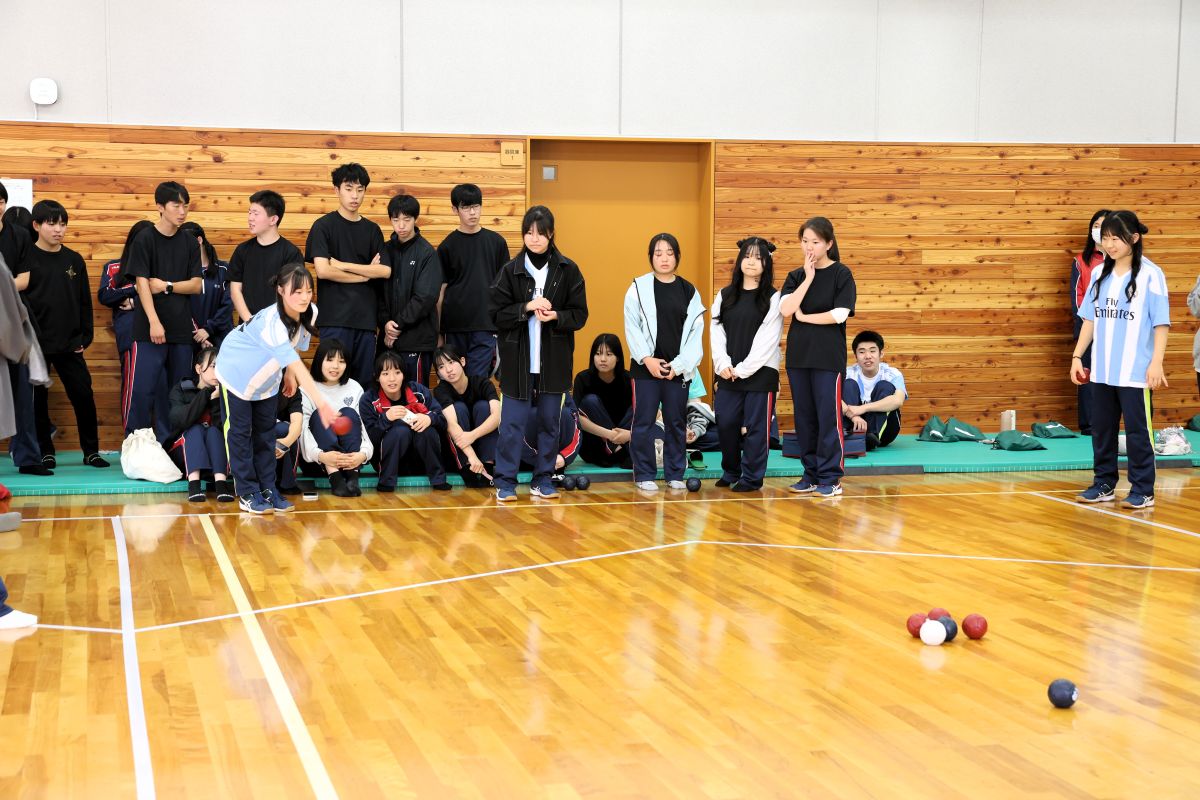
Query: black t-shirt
(60, 299)
(820, 346)
(616, 396)
(169, 258)
(470, 262)
(253, 265)
(289, 405)
(479, 387)
(671, 302)
(15, 245)
(345, 305)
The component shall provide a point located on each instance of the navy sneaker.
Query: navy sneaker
(545, 490)
(278, 502)
(255, 504)
(1135, 500)
(802, 487)
(1098, 493)
(506, 495)
(830, 491)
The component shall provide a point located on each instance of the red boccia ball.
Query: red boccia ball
(974, 626)
(914, 624)
(340, 425)
(937, 613)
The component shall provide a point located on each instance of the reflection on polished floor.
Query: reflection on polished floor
(610, 644)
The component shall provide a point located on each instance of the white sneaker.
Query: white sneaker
(17, 619)
(676, 485)
(647, 486)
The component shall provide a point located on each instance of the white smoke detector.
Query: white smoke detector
(43, 91)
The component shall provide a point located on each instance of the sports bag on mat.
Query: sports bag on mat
(1016, 440)
(143, 459)
(1052, 430)
(952, 430)
(1194, 423)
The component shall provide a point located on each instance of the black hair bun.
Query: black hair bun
(1142, 229)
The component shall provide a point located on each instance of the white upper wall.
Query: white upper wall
(923, 70)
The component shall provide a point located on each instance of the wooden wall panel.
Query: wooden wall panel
(105, 176)
(962, 255)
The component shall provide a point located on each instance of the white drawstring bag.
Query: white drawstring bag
(143, 459)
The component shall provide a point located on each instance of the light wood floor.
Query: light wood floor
(608, 645)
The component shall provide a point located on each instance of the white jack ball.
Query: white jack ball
(933, 632)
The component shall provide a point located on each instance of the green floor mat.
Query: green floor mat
(906, 455)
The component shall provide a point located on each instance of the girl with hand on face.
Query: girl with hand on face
(745, 331)
(538, 301)
(197, 441)
(341, 455)
(1126, 315)
(212, 309)
(1082, 266)
(256, 361)
(604, 396)
(664, 326)
(818, 298)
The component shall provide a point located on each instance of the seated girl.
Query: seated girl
(604, 396)
(340, 455)
(472, 410)
(402, 416)
(289, 424)
(197, 442)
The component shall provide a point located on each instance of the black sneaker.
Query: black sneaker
(744, 487)
(196, 492)
(35, 469)
(49, 462)
(441, 487)
(224, 491)
(96, 460)
(721, 483)
(289, 491)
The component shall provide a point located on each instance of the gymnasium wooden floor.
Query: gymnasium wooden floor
(607, 645)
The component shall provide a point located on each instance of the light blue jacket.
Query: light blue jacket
(641, 327)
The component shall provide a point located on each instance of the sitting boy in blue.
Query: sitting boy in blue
(872, 393)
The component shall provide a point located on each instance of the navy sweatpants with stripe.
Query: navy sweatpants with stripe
(885, 426)
(1109, 405)
(514, 422)
(744, 457)
(250, 441)
(153, 369)
(648, 394)
(201, 447)
(817, 405)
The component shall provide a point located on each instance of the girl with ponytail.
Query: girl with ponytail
(1126, 316)
(818, 298)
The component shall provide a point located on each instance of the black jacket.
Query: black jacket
(512, 289)
(409, 297)
(188, 405)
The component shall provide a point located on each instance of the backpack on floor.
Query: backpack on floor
(1016, 440)
(952, 430)
(1052, 430)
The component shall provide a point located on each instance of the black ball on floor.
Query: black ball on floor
(569, 482)
(693, 484)
(1063, 693)
(583, 482)
(951, 627)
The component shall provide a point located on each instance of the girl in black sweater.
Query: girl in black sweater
(197, 441)
(604, 396)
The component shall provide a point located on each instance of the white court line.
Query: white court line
(1126, 517)
(310, 758)
(800, 498)
(143, 767)
(1040, 561)
(79, 628)
(424, 584)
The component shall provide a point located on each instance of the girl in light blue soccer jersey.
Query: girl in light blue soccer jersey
(1126, 317)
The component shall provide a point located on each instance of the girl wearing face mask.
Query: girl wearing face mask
(818, 297)
(664, 326)
(1082, 265)
(745, 331)
(537, 302)
(1126, 314)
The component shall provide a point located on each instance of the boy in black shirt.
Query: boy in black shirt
(471, 256)
(15, 245)
(256, 261)
(344, 248)
(60, 300)
(408, 321)
(165, 267)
